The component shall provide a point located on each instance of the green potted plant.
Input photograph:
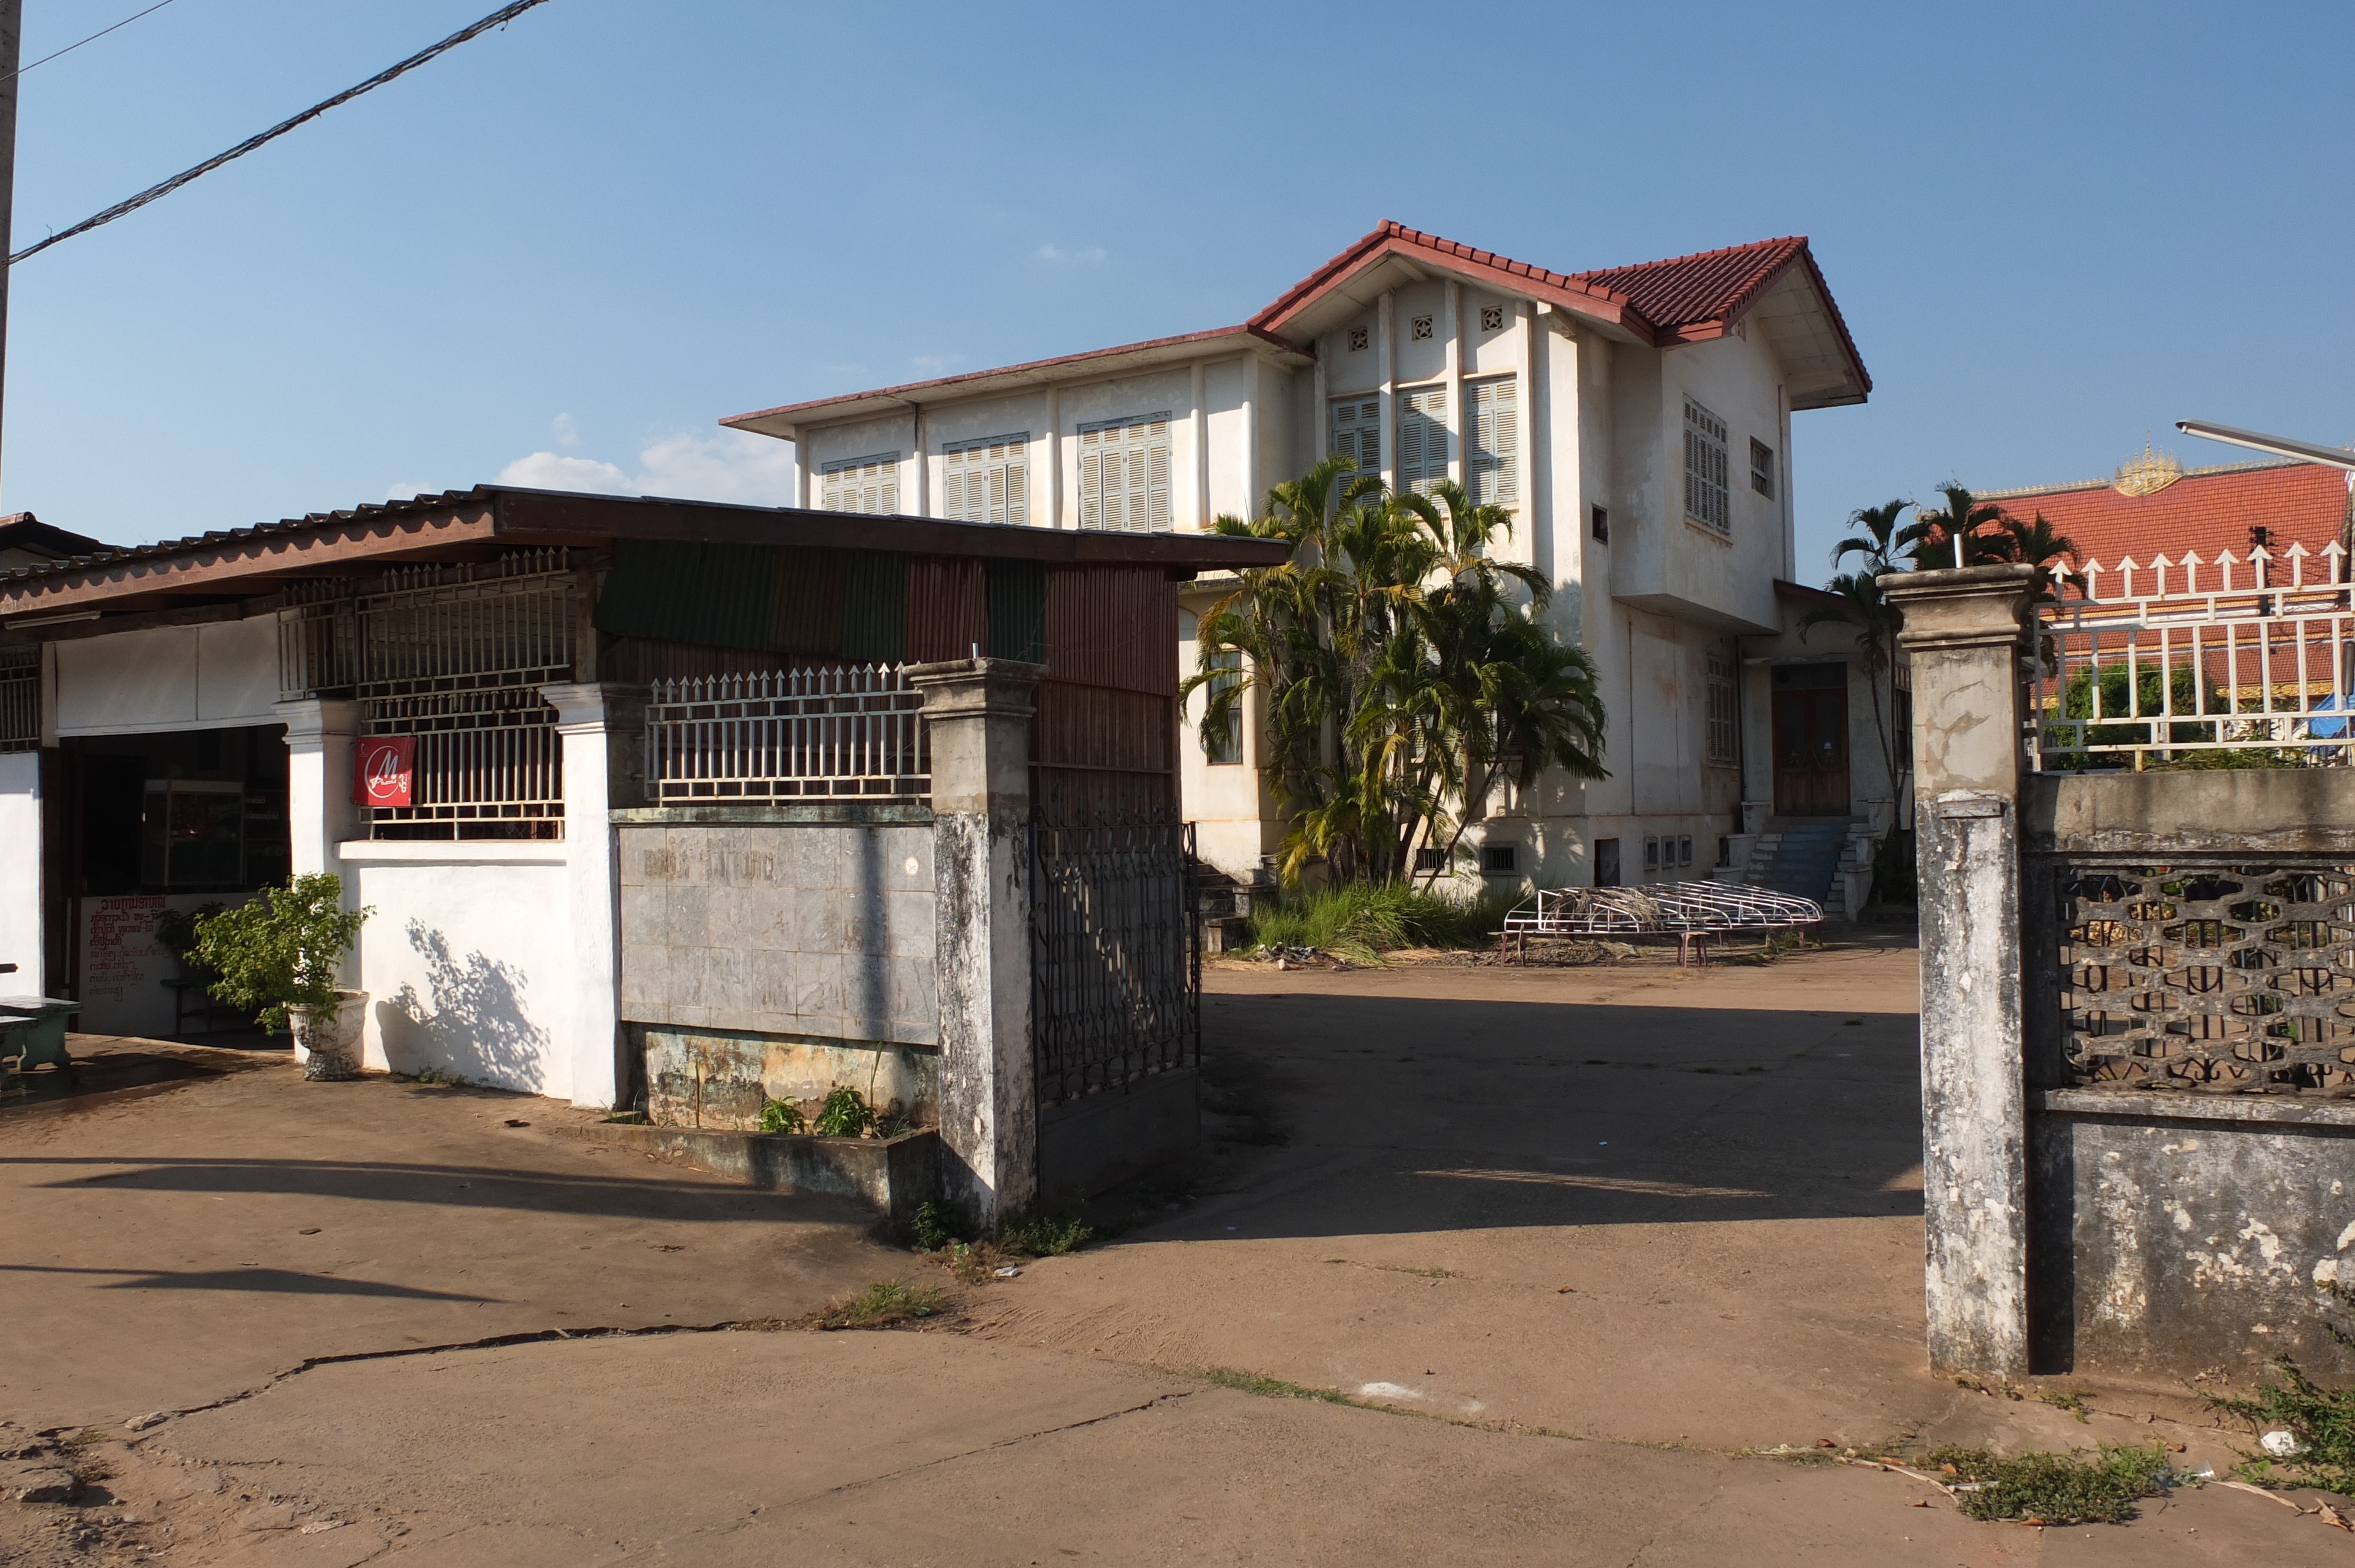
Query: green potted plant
(277, 956)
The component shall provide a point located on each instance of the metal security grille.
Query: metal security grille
(2160, 662)
(20, 699)
(2226, 979)
(1724, 712)
(830, 732)
(454, 655)
(1116, 973)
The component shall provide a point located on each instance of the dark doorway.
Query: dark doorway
(1606, 863)
(1811, 740)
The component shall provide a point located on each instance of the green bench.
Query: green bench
(33, 1030)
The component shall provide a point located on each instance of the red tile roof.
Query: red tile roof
(1705, 287)
(2295, 504)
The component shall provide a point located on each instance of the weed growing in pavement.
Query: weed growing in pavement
(883, 1303)
(2071, 1400)
(2052, 1489)
(844, 1114)
(891, 1121)
(1359, 921)
(781, 1115)
(1035, 1235)
(2322, 1420)
(1270, 1387)
(439, 1077)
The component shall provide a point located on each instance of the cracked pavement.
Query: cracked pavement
(1572, 1241)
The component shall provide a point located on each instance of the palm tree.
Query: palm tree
(1964, 516)
(1406, 669)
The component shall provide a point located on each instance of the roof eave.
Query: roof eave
(1599, 307)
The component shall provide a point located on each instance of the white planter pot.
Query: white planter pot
(327, 1042)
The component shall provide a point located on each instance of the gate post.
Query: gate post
(1965, 632)
(977, 715)
(604, 742)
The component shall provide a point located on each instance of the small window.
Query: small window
(1124, 474)
(1419, 329)
(1499, 860)
(1707, 501)
(1603, 525)
(869, 485)
(1357, 432)
(1225, 745)
(1723, 707)
(1491, 455)
(1492, 318)
(1357, 340)
(988, 480)
(1651, 854)
(1761, 469)
(1430, 859)
(1606, 863)
(1725, 850)
(1684, 849)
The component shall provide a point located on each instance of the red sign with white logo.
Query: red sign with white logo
(382, 765)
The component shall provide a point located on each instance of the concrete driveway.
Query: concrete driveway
(1572, 1244)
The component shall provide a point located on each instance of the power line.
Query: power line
(91, 39)
(505, 14)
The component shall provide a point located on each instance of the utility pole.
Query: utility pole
(12, 17)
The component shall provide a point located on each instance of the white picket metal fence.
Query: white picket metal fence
(830, 732)
(2239, 661)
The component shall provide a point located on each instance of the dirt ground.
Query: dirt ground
(1574, 1243)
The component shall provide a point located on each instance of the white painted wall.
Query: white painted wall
(466, 960)
(20, 873)
(166, 678)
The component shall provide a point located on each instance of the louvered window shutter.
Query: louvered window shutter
(1423, 439)
(1357, 432)
(987, 480)
(1124, 474)
(867, 484)
(1491, 473)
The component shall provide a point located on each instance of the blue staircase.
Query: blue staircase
(1806, 857)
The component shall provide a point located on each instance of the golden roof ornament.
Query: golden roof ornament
(2147, 474)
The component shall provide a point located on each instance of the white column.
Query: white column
(1251, 436)
(1202, 448)
(923, 467)
(1386, 362)
(319, 810)
(20, 873)
(1459, 419)
(1054, 458)
(603, 729)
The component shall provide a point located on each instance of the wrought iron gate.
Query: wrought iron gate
(1116, 964)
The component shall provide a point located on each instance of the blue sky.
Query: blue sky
(2051, 228)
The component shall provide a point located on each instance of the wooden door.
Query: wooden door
(1811, 743)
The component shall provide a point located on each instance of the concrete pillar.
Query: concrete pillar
(604, 738)
(977, 713)
(1965, 632)
(319, 809)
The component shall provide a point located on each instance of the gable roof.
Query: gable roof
(2295, 503)
(22, 533)
(1684, 299)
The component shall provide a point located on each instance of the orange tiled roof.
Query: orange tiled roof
(2295, 503)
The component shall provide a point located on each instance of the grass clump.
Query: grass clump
(1270, 1387)
(844, 1114)
(781, 1115)
(935, 1224)
(1361, 920)
(1036, 1235)
(2321, 1419)
(883, 1303)
(2053, 1489)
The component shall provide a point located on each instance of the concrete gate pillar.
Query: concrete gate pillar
(1965, 632)
(977, 712)
(604, 759)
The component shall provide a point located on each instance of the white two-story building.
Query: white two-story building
(1636, 420)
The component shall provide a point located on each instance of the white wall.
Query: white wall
(20, 873)
(171, 677)
(467, 959)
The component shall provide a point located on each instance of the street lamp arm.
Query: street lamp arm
(2280, 446)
